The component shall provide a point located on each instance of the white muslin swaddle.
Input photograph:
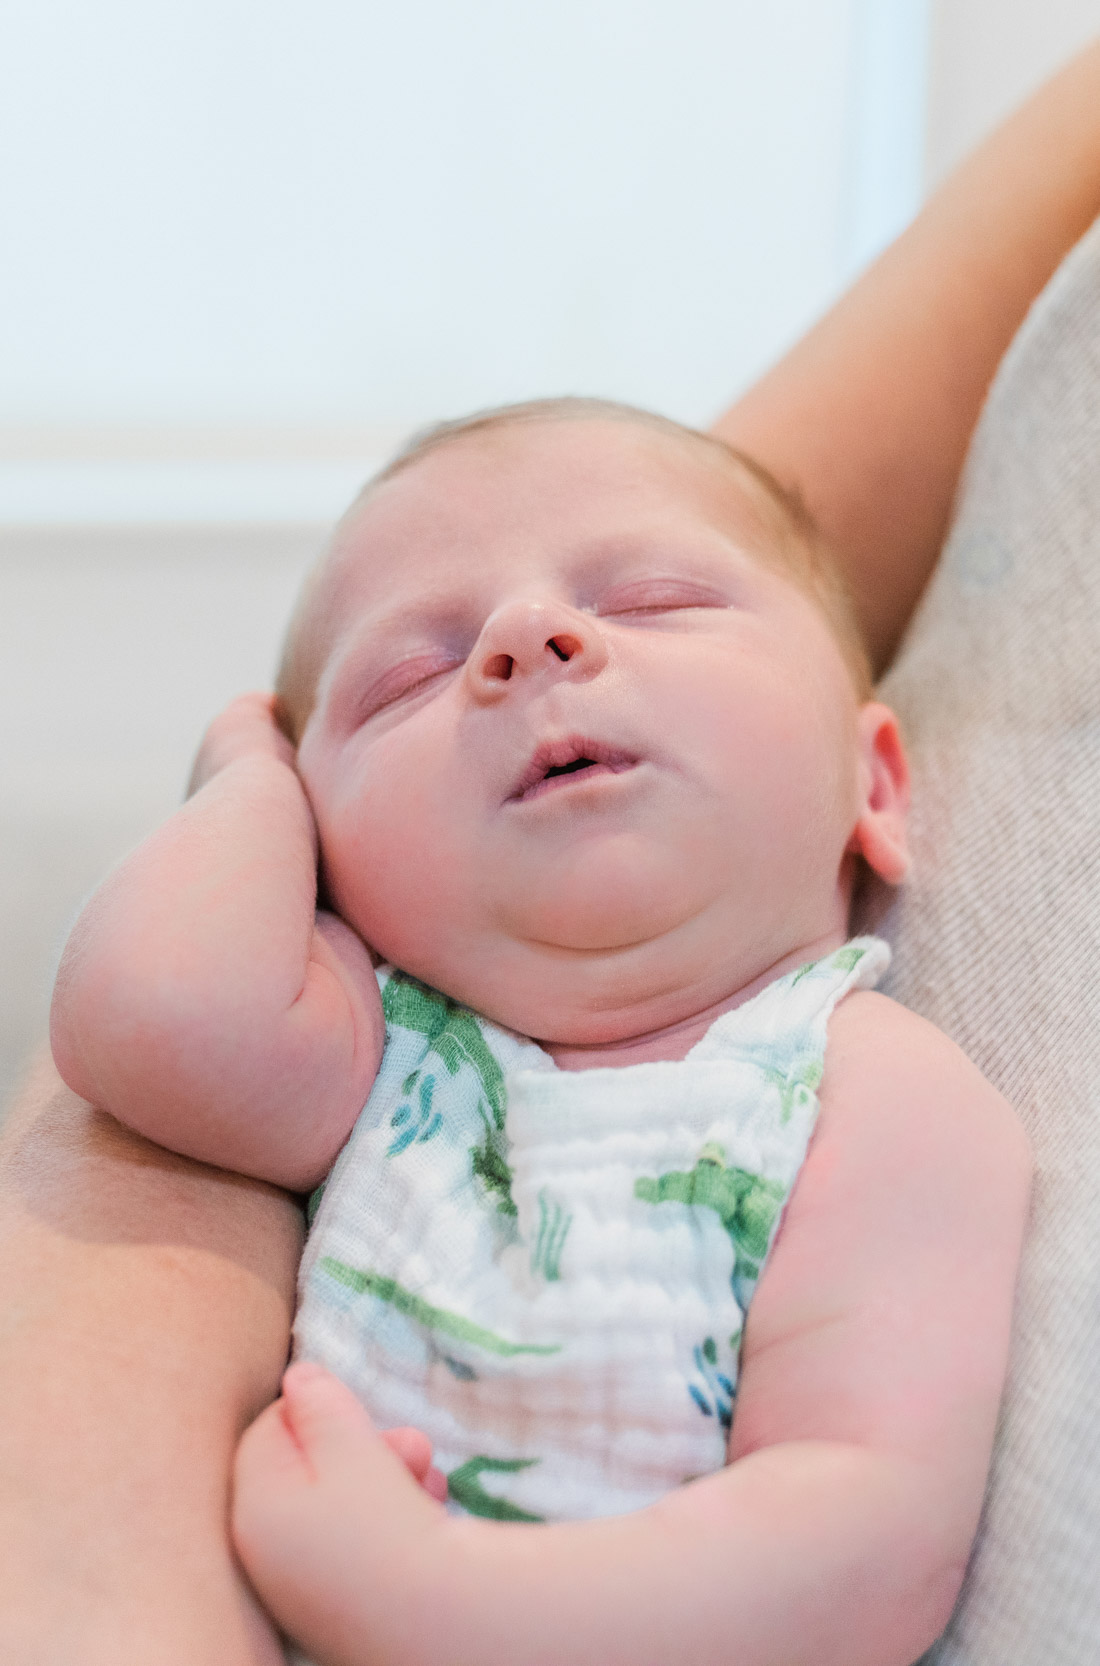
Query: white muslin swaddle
(548, 1271)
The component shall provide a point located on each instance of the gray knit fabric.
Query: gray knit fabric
(997, 937)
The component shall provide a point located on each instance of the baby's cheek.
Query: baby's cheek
(400, 879)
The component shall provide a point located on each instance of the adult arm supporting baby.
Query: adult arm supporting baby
(870, 414)
(146, 1302)
(201, 999)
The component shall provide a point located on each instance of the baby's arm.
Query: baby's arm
(870, 414)
(838, 1534)
(201, 999)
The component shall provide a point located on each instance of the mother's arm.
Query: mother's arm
(145, 1304)
(871, 413)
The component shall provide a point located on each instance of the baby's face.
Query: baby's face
(579, 757)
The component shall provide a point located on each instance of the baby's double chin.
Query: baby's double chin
(597, 1006)
(630, 1007)
(673, 1041)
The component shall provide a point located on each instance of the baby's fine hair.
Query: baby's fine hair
(791, 537)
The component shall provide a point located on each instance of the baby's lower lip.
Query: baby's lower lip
(572, 778)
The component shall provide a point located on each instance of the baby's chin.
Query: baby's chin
(615, 899)
(565, 995)
(594, 932)
(606, 966)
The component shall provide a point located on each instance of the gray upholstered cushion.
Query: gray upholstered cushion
(998, 936)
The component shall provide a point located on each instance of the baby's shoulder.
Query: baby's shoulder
(867, 1022)
(893, 1079)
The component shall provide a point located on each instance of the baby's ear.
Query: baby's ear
(879, 834)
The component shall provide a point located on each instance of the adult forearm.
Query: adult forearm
(145, 1305)
(871, 413)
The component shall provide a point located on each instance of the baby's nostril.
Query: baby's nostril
(499, 667)
(564, 646)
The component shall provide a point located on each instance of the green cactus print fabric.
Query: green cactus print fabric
(465, 1489)
(549, 1271)
(455, 1039)
(747, 1205)
(436, 1319)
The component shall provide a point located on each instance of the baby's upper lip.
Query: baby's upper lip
(556, 755)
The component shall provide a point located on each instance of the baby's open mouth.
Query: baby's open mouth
(555, 761)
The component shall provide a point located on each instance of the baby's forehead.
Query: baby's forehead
(571, 488)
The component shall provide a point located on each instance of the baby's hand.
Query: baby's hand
(414, 1449)
(247, 726)
(329, 1528)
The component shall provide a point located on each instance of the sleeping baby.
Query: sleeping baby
(657, 1298)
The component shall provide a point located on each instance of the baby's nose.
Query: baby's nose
(529, 639)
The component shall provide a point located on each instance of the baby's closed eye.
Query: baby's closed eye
(659, 595)
(404, 681)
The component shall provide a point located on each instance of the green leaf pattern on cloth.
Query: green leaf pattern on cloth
(746, 1204)
(456, 1038)
(713, 1389)
(797, 1085)
(440, 1319)
(465, 1488)
(845, 959)
(554, 1223)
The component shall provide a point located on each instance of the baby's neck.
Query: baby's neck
(675, 1041)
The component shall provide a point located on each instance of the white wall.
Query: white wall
(247, 214)
(116, 645)
(985, 57)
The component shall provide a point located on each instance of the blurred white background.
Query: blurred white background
(246, 247)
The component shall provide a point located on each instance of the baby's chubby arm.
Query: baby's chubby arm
(839, 1532)
(201, 998)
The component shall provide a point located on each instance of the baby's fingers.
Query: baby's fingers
(249, 725)
(412, 1447)
(435, 1485)
(315, 1452)
(305, 1431)
(415, 1451)
(322, 1415)
(327, 1520)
